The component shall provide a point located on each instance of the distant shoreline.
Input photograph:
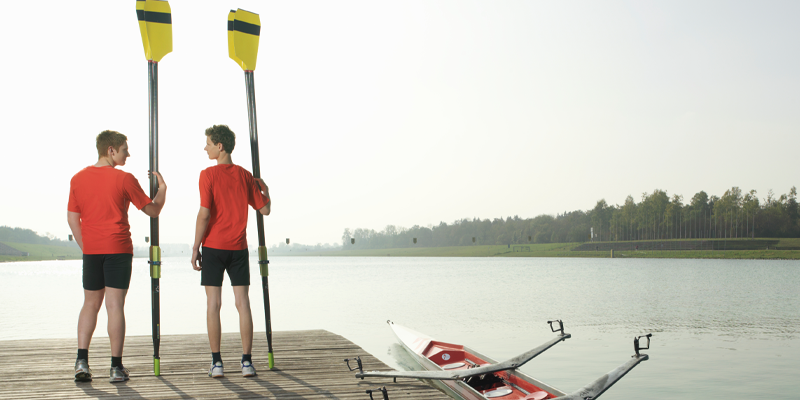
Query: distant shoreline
(732, 249)
(787, 249)
(40, 252)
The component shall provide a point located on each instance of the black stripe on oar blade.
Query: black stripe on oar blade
(140, 15)
(157, 17)
(230, 25)
(244, 27)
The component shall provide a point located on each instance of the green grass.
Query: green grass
(558, 250)
(536, 250)
(38, 252)
(714, 254)
(454, 251)
(45, 252)
(789, 242)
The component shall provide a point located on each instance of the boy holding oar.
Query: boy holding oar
(226, 190)
(99, 198)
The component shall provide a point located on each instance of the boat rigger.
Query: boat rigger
(466, 374)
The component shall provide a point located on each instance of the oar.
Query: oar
(155, 25)
(244, 28)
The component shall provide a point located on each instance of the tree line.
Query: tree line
(657, 216)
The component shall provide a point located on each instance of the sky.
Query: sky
(410, 112)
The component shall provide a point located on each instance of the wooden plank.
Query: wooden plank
(309, 365)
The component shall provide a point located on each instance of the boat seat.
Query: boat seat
(453, 365)
(540, 395)
(499, 392)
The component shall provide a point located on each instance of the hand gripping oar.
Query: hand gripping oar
(155, 25)
(244, 28)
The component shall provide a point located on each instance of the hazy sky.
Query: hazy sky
(411, 112)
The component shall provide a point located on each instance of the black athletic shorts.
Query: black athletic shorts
(215, 262)
(107, 270)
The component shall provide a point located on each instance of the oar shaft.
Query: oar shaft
(155, 250)
(262, 250)
(251, 116)
(156, 301)
(265, 286)
(152, 84)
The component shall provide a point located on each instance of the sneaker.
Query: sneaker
(119, 374)
(82, 371)
(216, 370)
(248, 369)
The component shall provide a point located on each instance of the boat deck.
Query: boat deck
(308, 365)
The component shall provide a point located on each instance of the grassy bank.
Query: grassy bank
(39, 252)
(718, 254)
(452, 251)
(783, 249)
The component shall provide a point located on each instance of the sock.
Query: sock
(83, 354)
(116, 362)
(216, 357)
(247, 357)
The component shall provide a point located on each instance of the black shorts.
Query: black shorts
(215, 262)
(107, 270)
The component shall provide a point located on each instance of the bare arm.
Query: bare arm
(264, 192)
(154, 209)
(200, 230)
(74, 221)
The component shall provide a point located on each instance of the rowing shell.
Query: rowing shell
(465, 374)
(477, 376)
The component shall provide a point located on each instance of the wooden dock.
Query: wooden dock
(308, 365)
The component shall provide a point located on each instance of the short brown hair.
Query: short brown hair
(222, 134)
(109, 138)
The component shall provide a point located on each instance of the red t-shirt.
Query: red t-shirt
(102, 196)
(227, 190)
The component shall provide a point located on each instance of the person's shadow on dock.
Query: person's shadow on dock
(237, 389)
(277, 391)
(123, 390)
(174, 388)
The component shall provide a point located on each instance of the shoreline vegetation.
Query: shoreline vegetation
(20, 244)
(758, 249)
(38, 252)
(779, 249)
(656, 217)
(736, 225)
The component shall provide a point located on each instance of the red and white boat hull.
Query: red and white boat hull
(433, 355)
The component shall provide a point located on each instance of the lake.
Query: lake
(722, 328)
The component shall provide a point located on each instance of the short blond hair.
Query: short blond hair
(109, 138)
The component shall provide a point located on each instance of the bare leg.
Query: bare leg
(115, 305)
(242, 296)
(214, 301)
(87, 319)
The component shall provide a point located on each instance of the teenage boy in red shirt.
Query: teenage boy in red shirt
(97, 214)
(226, 190)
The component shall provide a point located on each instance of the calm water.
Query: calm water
(722, 328)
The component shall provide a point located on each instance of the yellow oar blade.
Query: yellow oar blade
(142, 27)
(246, 30)
(231, 51)
(158, 21)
